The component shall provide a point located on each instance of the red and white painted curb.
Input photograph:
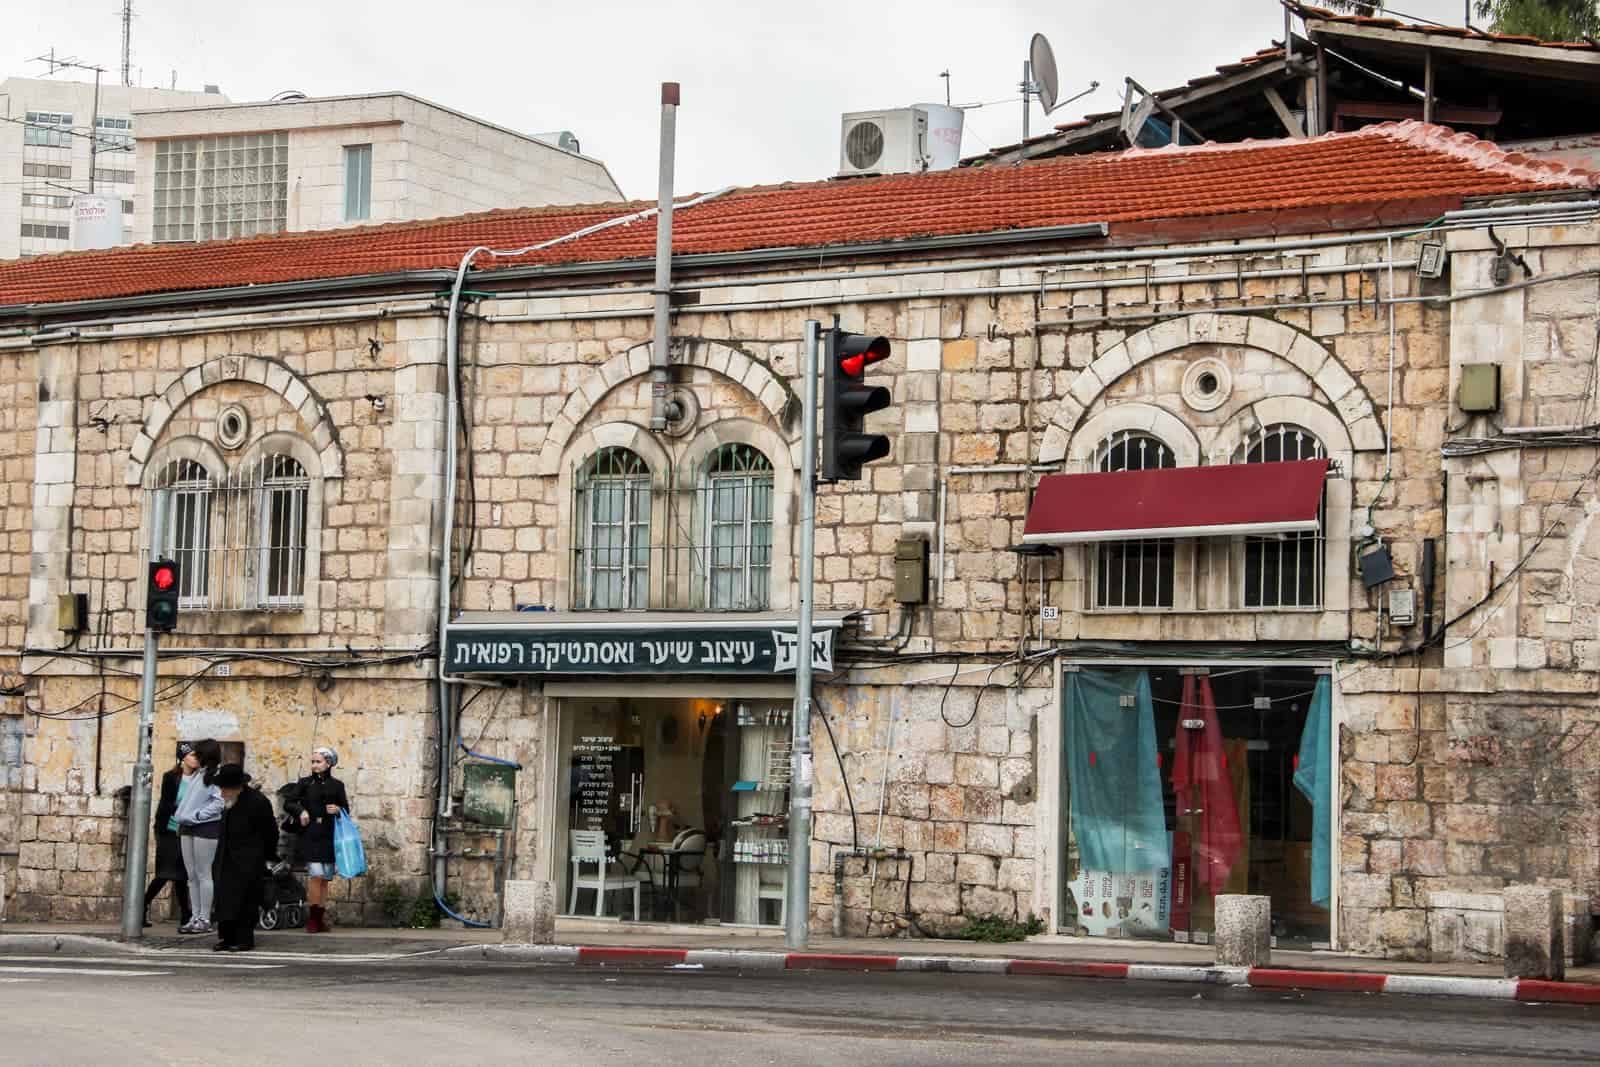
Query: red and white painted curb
(1254, 977)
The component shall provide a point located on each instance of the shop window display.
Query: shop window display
(1185, 784)
(691, 797)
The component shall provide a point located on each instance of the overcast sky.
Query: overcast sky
(764, 82)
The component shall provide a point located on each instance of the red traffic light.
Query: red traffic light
(163, 576)
(857, 352)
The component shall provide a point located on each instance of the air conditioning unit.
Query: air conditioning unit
(884, 142)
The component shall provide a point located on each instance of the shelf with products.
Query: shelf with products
(748, 716)
(772, 850)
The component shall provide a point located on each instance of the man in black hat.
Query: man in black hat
(249, 842)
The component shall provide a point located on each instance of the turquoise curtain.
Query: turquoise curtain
(1114, 773)
(1313, 776)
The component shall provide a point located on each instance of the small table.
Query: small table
(668, 856)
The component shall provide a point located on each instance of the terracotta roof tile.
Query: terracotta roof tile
(1386, 165)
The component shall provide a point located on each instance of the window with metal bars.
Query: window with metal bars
(736, 556)
(1133, 575)
(612, 542)
(239, 539)
(1284, 570)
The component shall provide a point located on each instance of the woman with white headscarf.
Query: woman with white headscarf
(312, 805)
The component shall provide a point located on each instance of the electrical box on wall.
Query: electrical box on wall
(72, 612)
(1402, 607)
(911, 570)
(1479, 390)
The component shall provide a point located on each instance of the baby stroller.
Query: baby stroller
(283, 899)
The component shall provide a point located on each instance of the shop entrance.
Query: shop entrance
(1181, 784)
(678, 804)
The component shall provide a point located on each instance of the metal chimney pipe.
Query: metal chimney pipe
(661, 350)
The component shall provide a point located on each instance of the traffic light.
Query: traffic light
(846, 403)
(161, 598)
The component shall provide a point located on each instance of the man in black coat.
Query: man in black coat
(249, 842)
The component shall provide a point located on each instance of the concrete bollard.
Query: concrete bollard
(530, 913)
(1579, 927)
(1535, 933)
(1243, 931)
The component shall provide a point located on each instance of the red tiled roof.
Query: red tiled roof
(1380, 22)
(1391, 164)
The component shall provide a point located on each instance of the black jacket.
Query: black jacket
(167, 803)
(249, 842)
(312, 795)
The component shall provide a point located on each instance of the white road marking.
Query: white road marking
(4, 969)
(145, 961)
(16, 981)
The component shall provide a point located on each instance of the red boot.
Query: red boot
(314, 923)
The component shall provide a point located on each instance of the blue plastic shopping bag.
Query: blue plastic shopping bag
(349, 855)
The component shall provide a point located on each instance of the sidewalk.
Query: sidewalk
(582, 941)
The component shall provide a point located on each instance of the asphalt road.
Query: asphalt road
(194, 1008)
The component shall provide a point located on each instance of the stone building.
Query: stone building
(45, 141)
(1254, 484)
(319, 163)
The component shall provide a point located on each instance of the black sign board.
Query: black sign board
(707, 650)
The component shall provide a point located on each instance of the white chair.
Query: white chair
(589, 847)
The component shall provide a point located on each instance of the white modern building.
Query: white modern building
(236, 170)
(45, 127)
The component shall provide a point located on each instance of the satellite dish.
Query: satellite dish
(1043, 60)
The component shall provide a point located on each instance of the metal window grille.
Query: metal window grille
(612, 546)
(1284, 570)
(711, 549)
(1134, 574)
(736, 558)
(239, 540)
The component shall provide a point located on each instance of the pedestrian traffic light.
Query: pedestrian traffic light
(846, 403)
(161, 598)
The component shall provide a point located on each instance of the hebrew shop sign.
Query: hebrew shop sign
(708, 650)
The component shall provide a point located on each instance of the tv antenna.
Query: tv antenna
(1039, 80)
(56, 63)
(127, 41)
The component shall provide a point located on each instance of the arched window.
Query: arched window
(612, 536)
(281, 491)
(188, 531)
(1134, 574)
(1284, 570)
(735, 559)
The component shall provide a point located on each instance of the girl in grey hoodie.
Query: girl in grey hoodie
(199, 816)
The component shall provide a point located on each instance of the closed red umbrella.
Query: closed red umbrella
(1201, 780)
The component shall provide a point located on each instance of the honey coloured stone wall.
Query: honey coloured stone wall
(71, 836)
(1449, 750)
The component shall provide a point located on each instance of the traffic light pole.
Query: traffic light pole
(797, 903)
(133, 875)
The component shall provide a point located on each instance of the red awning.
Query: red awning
(1242, 498)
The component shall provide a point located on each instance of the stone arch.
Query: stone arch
(771, 390)
(268, 373)
(1355, 407)
(781, 452)
(194, 449)
(1146, 418)
(1296, 410)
